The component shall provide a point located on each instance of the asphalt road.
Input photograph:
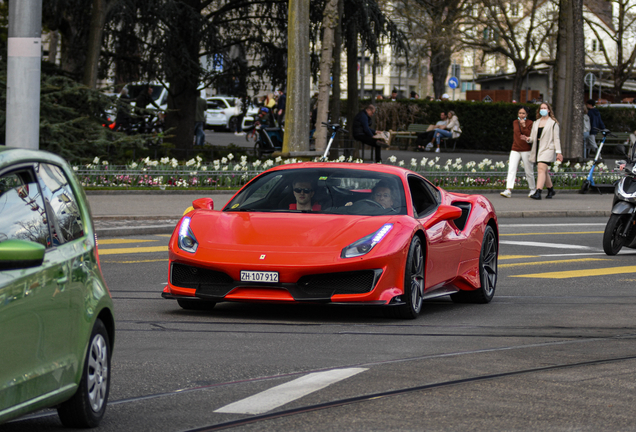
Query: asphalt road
(554, 350)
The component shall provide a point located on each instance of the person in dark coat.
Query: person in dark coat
(362, 130)
(596, 124)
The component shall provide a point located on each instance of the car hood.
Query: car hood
(281, 231)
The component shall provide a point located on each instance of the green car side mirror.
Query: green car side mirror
(19, 254)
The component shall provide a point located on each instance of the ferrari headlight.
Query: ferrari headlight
(187, 240)
(365, 244)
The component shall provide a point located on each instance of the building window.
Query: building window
(594, 46)
(467, 85)
(515, 9)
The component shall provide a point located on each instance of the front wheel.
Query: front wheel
(487, 272)
(612, 239)
(413, 283)
(88, 405)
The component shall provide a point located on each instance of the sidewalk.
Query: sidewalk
(124, 214)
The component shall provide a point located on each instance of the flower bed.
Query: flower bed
(226, 173)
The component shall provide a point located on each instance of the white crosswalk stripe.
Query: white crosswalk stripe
(283, 394)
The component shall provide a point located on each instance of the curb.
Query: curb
(553, 213)
(131, 231)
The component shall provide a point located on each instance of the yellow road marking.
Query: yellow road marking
(163, 235)
(554, 233)
(122, 241)
(134, 262)
(550, 262)
(581, 273)
(507, 257)
(133, 250)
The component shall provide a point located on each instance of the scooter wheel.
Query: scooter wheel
(585, 187)
(612, 240)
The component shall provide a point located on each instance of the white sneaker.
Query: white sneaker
(532, 192)
(437, 150)
(506, 193)
(429, 146)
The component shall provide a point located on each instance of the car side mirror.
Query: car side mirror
(444, 212)
(19, 254)
(203, 203)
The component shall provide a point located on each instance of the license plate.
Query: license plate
(259, 276)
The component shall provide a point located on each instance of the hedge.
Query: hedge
(485, 126)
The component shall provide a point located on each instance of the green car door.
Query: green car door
(34, 301)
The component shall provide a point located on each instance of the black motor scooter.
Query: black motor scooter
(621, 228)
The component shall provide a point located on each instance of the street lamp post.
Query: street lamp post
(24, 49)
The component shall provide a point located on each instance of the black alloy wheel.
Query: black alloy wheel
(613, 242)
(413, 284)
(487, 272)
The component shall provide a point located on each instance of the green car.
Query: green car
(57, 326)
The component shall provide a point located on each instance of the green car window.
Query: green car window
(22, 210)
(67, 221)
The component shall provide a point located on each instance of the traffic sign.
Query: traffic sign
(590, 79)
(453, 83)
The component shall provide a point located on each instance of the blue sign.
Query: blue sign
(453, 83)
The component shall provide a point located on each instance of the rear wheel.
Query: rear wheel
(413, 283)
(612, 239)
(88, 405)
(188, 304)
(487, 272)
(585, 187)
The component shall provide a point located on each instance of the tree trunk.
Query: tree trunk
(329, 23)
(352, 75)
(337, 66)
(297, 112)
(440, 62)
(568, 77)
(181, 112)
(517, 83)
(94, 43)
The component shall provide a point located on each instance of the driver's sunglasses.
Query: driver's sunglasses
(302, 190)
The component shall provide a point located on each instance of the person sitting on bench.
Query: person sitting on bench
(362, 131)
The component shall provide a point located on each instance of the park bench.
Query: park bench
(409, 134)
(621, 138)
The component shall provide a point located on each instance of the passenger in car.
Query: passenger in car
(303, 192)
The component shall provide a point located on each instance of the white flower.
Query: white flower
(437, 166)
(225, 168)
(577, 166)
(401, 163)
(199, 159)
(342, 158)
(190, 162)
(154, 163)
(555, 168)
(96, 160)
(413, 162)
(105, 162)
(473, 170)
(133, 165)
(174, 163)
(223, 160)
(423, 161)
(278, 159)
(458, 161)
(431, 163)
(75, 168)
(205, 168)
(437, 159)
(243, 158)
(256, 164)
(165, 160)
(230, 156)
(392, 159)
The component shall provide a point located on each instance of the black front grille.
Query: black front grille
(200, 278)
(329, 284)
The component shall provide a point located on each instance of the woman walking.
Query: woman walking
(546, 147)
(520, 151)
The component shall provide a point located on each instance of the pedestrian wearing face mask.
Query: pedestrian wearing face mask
(546, 148)
(521, 127)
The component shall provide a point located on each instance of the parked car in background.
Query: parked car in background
(224, 111)
(159, 94)
(56, 314)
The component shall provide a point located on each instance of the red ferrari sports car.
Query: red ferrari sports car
(336, 233)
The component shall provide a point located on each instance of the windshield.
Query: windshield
(135, 89)
(323, 190)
